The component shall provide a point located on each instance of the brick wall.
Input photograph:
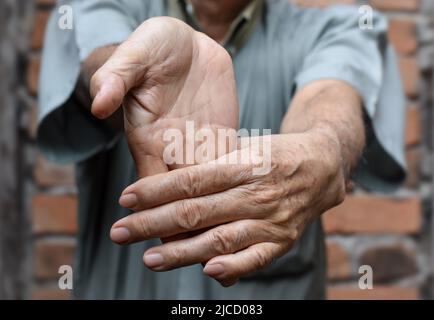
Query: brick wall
(389, 233)
(52, 205)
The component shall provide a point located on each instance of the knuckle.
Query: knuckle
(262, 260)
(177, 256)
(271, 195)
(220, 241)
(267, 196)
(187, 183)
(189, 215)
(276, 230)
(143, 222)
(293, 234)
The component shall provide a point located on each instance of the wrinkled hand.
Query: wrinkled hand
(250, 220)
(164, 74)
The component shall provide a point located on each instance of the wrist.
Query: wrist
(328, 144)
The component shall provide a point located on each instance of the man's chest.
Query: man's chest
(265, 74)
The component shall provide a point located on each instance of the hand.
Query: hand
(165, 74)
(250, 220)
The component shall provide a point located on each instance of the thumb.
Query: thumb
(110, 84)
(153, 42)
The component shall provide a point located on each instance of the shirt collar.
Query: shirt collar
(240, 29)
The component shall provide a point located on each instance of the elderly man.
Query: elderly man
(327, 89)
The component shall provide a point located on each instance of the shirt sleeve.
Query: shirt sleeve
(341, 49)
(66, 132)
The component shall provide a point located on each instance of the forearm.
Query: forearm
(95, 60)
(335, 109)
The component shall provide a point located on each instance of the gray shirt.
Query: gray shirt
(286, 49)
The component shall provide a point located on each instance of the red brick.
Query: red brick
(396, 5)
(54, 214)
(338, 265)
(49, 256)
(49, 174)
(402, 34)
(321, 3)
(414, 158)
(39, 24)
(50, 294)
(33, 75)
(377, 293)
(374, 215)
(413, 130)
(390, 262)
(410, 74)
(46, 2)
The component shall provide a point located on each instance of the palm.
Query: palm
(198, 87)
(189, 78)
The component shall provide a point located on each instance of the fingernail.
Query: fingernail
(214, 270)
(128, 200)
(153, 260)
(120, 235)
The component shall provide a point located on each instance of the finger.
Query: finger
(185, 215)
(125, 69)
(107, 90)
(111, 83)
(227, 269)
(181, 236)
(223, 239)
(183, 183)
(132, 60)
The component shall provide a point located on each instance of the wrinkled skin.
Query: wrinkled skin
(255, 218)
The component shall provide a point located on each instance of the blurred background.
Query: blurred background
(38, 219)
